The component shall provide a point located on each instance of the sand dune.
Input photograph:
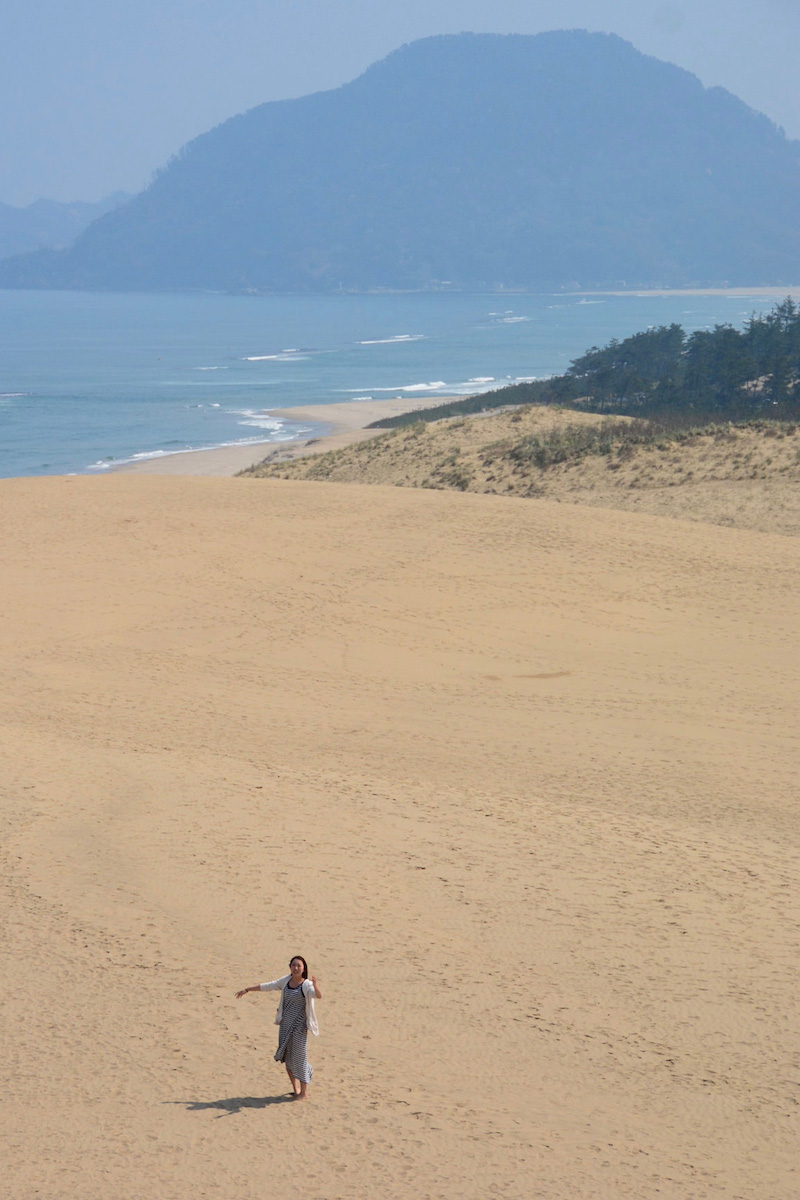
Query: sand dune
(519, 779)
(747, 477)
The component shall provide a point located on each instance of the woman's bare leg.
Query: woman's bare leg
(302, 1094)
(293, 1080)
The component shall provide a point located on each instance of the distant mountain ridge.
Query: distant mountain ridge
(52, 224)
(478, 161)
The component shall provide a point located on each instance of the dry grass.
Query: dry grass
(745, 476)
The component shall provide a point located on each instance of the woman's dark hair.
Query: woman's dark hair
(300, 958)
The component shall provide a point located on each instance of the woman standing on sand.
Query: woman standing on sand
(295, 1016)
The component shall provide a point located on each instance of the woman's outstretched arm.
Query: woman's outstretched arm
(274, 985)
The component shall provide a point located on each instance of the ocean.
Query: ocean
(89, 380)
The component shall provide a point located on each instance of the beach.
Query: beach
(517, 778)
(347, 423)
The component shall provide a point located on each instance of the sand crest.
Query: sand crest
(746, 476)
(519, 779)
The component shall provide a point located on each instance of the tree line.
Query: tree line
(666, 375)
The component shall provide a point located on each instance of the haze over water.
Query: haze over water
(90, 380)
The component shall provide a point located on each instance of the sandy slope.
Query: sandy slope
(517, 778)
(747, 477)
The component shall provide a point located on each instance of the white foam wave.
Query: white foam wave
(437, 385)
(208, 368)
(467, 387)
(13, 395)
(284, 356)
(398, 337)
(258, 420)
(144, 455)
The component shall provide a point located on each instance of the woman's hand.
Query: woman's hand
(243, 992)
(317, 992)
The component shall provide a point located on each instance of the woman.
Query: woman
(295, 1016)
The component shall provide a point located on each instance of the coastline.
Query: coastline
(346, 422)
(89, 421)
(779, 293)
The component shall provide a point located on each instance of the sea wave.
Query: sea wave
(144, 455)
(398, 337)
(467, 387)
(438, 385)
(258, 418)
(273, 429)
(284, 356)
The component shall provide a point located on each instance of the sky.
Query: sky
(97, 94)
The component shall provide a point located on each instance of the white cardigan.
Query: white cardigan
(308, 991)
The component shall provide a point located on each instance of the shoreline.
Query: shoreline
(779, 293)
(344, 423)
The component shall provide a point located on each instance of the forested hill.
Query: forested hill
(466, 161)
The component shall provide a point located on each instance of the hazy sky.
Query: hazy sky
(98, 93)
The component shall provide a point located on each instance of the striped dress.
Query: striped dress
(293, 1034)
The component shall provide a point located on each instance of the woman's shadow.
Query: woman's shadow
(234, 1104)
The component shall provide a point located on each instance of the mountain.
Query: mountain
(469, 161)
(49, 223)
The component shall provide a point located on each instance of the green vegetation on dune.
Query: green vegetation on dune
(570, 443)
(667, 376)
